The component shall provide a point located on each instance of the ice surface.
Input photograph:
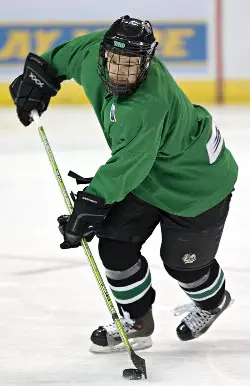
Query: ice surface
(49, 300)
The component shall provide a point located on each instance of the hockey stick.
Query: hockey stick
(139, 362)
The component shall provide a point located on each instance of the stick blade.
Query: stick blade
(139, 363)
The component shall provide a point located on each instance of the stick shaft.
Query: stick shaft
(138, 362)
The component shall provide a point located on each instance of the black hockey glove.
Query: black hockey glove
(63, 220)
(88, 213)
(33, 89)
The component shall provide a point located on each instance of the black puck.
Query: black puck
(132, 374)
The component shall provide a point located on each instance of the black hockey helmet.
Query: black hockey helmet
(125, 55)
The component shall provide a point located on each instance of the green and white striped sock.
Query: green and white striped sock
(130, 285)
(131, 293)
(207, 290)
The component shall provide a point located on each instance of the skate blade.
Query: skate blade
(136, 343)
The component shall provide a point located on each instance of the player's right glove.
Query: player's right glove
(88, 213)
(33, 89)
(88, 233)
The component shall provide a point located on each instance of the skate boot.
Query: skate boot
(198, 321)
(106, 339)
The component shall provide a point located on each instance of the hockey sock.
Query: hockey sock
(205, 287)
(132, 288)
(128, 275)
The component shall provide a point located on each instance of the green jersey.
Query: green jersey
(164, 149)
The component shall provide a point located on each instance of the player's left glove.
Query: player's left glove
(33, 89)
(88, 213)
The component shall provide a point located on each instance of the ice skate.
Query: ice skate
(106, 339)
(198, 321)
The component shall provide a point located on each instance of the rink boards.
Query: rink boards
(186, 47)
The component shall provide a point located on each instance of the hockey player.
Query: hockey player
(169, 165)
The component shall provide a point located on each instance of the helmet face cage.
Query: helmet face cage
(124, 62)
(122, 73)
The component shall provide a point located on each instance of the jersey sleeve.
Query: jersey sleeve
(68, 58)
(134, 150)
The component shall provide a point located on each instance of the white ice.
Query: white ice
(49, 300)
